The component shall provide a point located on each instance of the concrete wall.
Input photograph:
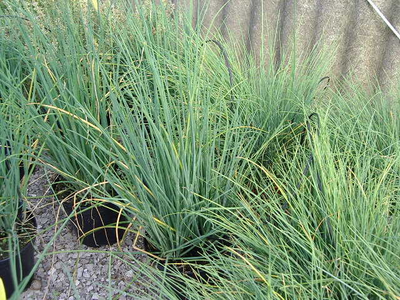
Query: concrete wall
(365, 44)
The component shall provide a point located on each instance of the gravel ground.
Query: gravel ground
(76, 275)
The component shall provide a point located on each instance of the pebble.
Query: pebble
(58, 265)
(129, 274)
(79, 272)
(52, 273)
(89, 267)
(40, 272)
(59, 285)
(36, 285)
(84, 261)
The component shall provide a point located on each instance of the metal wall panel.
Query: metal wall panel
(365, 45)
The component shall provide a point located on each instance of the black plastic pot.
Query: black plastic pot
(87, 224)
(178, 265)
(24, 260)
(177, 283)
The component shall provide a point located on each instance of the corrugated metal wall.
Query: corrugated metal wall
(365, 44)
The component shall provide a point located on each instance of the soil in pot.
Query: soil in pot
(24, 260)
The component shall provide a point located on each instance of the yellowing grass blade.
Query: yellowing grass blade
(95, 4)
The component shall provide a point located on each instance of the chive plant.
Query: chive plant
(16, 153)
(177, 159)
(15, 139)
(14, 156)
(280, 96)
(178, 147)
(337, 235)
(273, 100)
(9, 185)
(71, 89)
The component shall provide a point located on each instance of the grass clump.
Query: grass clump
(336, 237)
(148, 114)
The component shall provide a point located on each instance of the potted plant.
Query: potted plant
(72, 105)
(172, 175)
(17, 224)
(64, 124)
(177, 145)
(177, 159)
(81, 187)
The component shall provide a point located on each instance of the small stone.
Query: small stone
(58, 265)
(36, 285)
(40, 272)
(83, 261)
(71, 298)
(80, 271)
(62, 257)
(105, 269)
(95, 296)
(52, 273)
(89, 267)
(129, 274)
(59, 285)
